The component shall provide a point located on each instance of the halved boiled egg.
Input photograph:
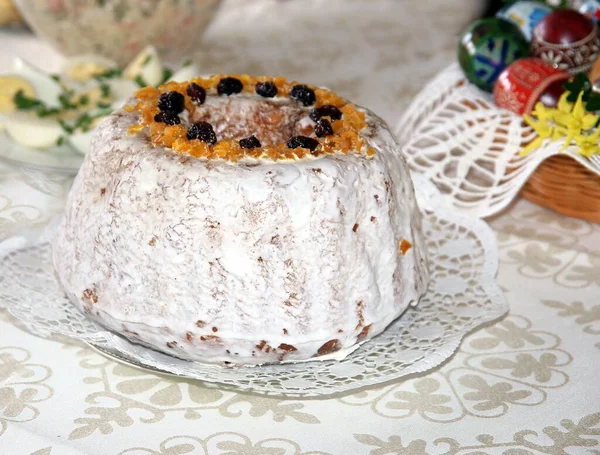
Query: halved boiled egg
(146, 67)
(9, 86)
(89, 99)
(47, 90)
(83, 68)
(84, 128)
(186, 73)
(121, 89)
(32, 131)
(81, 140)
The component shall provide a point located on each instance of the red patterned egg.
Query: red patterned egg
(525, 82)
(566, 39)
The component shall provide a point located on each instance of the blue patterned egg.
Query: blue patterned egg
(591, 9)
(525, 15)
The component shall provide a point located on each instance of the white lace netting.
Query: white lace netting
(456, 136)
(462, 295)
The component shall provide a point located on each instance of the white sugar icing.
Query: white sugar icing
(250, 262)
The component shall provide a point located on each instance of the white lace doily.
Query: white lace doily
(456, 136)
(462, 295)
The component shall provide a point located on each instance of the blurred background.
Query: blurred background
(398, 44)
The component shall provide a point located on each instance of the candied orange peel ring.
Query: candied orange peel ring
(235, 117)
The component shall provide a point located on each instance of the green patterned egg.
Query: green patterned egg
(487, 47)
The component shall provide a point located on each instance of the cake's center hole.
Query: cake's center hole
(239, 117)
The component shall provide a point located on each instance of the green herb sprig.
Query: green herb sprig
(65, 101)
(139, 80)
(105, 90)
(24, 103)
(65, 126)
(110, 74)
(167, 73)
(84, 121)
(581, 84)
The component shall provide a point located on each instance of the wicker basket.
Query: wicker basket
(562, 184)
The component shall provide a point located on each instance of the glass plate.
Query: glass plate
(63, 159)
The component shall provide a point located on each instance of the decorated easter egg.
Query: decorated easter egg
(566, 39)
(525, 15)
(488, 46)
(591, 9)
(525, 82)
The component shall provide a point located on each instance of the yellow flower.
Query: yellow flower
(531, 146)
(543, 113)
(569, 121)
(575, 121)
(560, 131)
(588, 144)
(586, 120)
(543, 129)
(564, 105)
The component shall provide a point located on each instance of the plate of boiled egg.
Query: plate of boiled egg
(47, 120)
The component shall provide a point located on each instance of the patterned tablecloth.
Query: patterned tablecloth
(525, 385)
